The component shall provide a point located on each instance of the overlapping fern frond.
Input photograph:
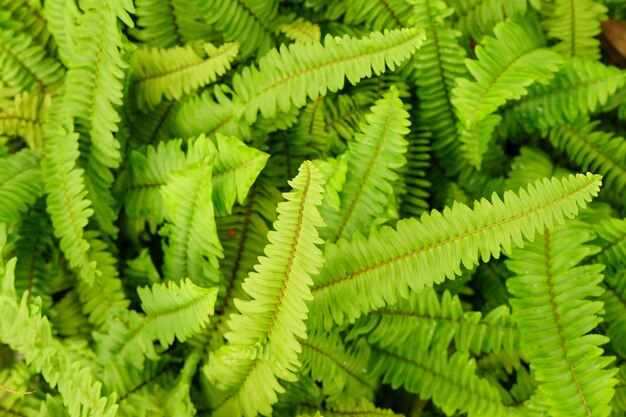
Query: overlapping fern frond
(24, 117)
(432, 249)
(522, 61)
(555, 310)
(20, 183)
(479, 17)
(272, 320)
(286, 77)
(169, 73)
(374, 158)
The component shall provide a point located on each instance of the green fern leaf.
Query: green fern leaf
(191, 246)
(274, 317)
(475, 140)
(301, 31)
(348, 406)
(24, 117)
(25, 64)
(522, 61)
(575, 24)
(432, 249)
(170, 73)
(478, 17)
(593, 150)
(554, 315)
(614, 300)
(61, 17)
(377, 151)
(451, 383)
(20, 183)
(612, 241)
(287, 77)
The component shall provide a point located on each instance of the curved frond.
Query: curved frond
(28, 332)
(274, 317)
(25, 64)
(374, 158)
(286, 77)
(169, 73)
(191, 247)
(522, 61)
(593, 150)
(374, 273)
(20, 183)
(249, 22)
(554, 312)
(575, 24)
(24, 117)
(577, 90)
(434, 322)
(451, 383)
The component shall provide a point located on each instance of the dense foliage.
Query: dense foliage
(311, 208)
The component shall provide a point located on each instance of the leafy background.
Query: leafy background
(223, 207)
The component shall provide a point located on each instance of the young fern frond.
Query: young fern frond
(20, 183)
(27, 331)
(341, 369)
(93, 93)
(451, 383)
(373, 158)
(522, 61)
(65, 188)
(170, 23)
(173, 311)
(428, 251)
(578, 89)
(593, 150)
(273, 319)
(25, 117)
(575, 24)
(191, 246)
(171, 73)
(554, 314)
(25, 64)
(249, 22)
(437, 321)
(286, 77)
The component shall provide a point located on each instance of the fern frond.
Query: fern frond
(301, 31)
(287, 77)
(522, 61)
(25, 64)
(593, 150)
(554, 314)
(577, 90)
(374, 158)
(64, 184)
(478, 17)
(475, 140)
(154, 126)
(93, 93)
(439, 64)
(611, 234)
(434, 322)
(451, 383)
(575, 24)
(28, 16)
(530, 165)
(174, 311)
(235, 169)
(614, 299)
(28, 332)
(165, 24)
(274, 317)
(191, 247)
(372, 15)
(428, 251)
(170, 73)
(61, 17)
(341, 369)
(20, 183)
(346, 407)
(249, 22)
(24, 117)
